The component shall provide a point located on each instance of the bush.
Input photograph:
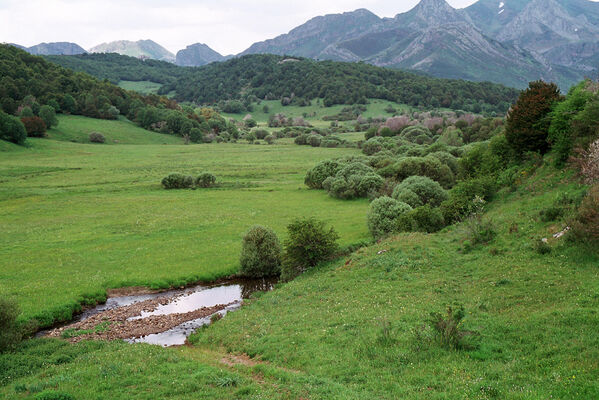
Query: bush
(417, 134)
(12, 129)
(321, 171)
(420, 166)
(261, 133)
(35, 126)
(585, 226)
(314, 140)
(96, 137)
(478, 229)
(177, 181)
(447, 159)
(353, 180)
(427, 219)
(205, 180)
(10, 332)
(196, 135)
(270, 139)
(427, 190)
(309, 242)
(48, 114)
(384, 216)
(527, 122)
(461, 204)
(260, 253)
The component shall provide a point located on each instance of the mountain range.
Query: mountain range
(510, 42)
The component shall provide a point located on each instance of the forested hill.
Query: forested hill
(278, 77)
(116, 67)
(275, 77)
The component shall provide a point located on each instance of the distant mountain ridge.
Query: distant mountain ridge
(510, 42)
(198, 54)
(53, 49)
(139, 49)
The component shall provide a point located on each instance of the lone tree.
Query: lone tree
(528, 120)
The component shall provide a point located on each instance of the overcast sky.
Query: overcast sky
(228, 26)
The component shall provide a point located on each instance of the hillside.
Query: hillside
(139, 49)
(275, 77)
(59, 48)
(116, 67)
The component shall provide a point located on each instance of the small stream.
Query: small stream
(227, 297)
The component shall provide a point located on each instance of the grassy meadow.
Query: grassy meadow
(78, 218)
(145, 87)
(355, 328)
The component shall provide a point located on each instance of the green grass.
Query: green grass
(76, 129)
(145, 87)
(375, 108)
(347, 330)
(78, 218)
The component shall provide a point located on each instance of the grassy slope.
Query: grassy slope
(145, 87)
(321, 336)
(77, 129)
(76, 218)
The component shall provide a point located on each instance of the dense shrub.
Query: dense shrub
(34, 126)
(427, 192)
(321, 171)
(177, 181)
(48, 114)
(308, 243)
(384, 216)
(314, 140)
(354, 179)
(260, 253)
(417, 134)
(421, 166)
(96, 137)
(376, 144)
(10, 332)
(205, 180)
(447, 159)
(460, 203)
(12, 129)
(427, 219)
(270, 139)
(527, 122)
(261, 133)
(585, 226)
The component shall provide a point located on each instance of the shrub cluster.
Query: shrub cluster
(10, 332)
(585, 225)
(353, 180)
(205, 180)
(420, 190)
(35, 126)
(12, 129)
(385, 216)
(177, 181)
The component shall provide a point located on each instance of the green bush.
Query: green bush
(321, 171)
(10, 332)
(428, 191)
(384, 216)
(421, 166)
(48, 114)
(96, 137)
(308, 243)
(585, 225)
(448, 328)
(314, 140)
(427, 219)
(205, 180)
(417, 134)
(177, 181)
(260, 253)
(460, 203)
(12, 129)
(447, 159)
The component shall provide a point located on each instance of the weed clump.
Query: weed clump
(448, 328)
(260, 253)
(309, 243)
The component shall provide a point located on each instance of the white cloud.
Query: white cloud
(228, 26)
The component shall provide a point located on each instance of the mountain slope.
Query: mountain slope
(140, 49)
(311, 38)
(196, 55)
(57, 48)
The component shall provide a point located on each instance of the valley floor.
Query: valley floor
(355, 328)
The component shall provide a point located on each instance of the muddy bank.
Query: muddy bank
(166, 319)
